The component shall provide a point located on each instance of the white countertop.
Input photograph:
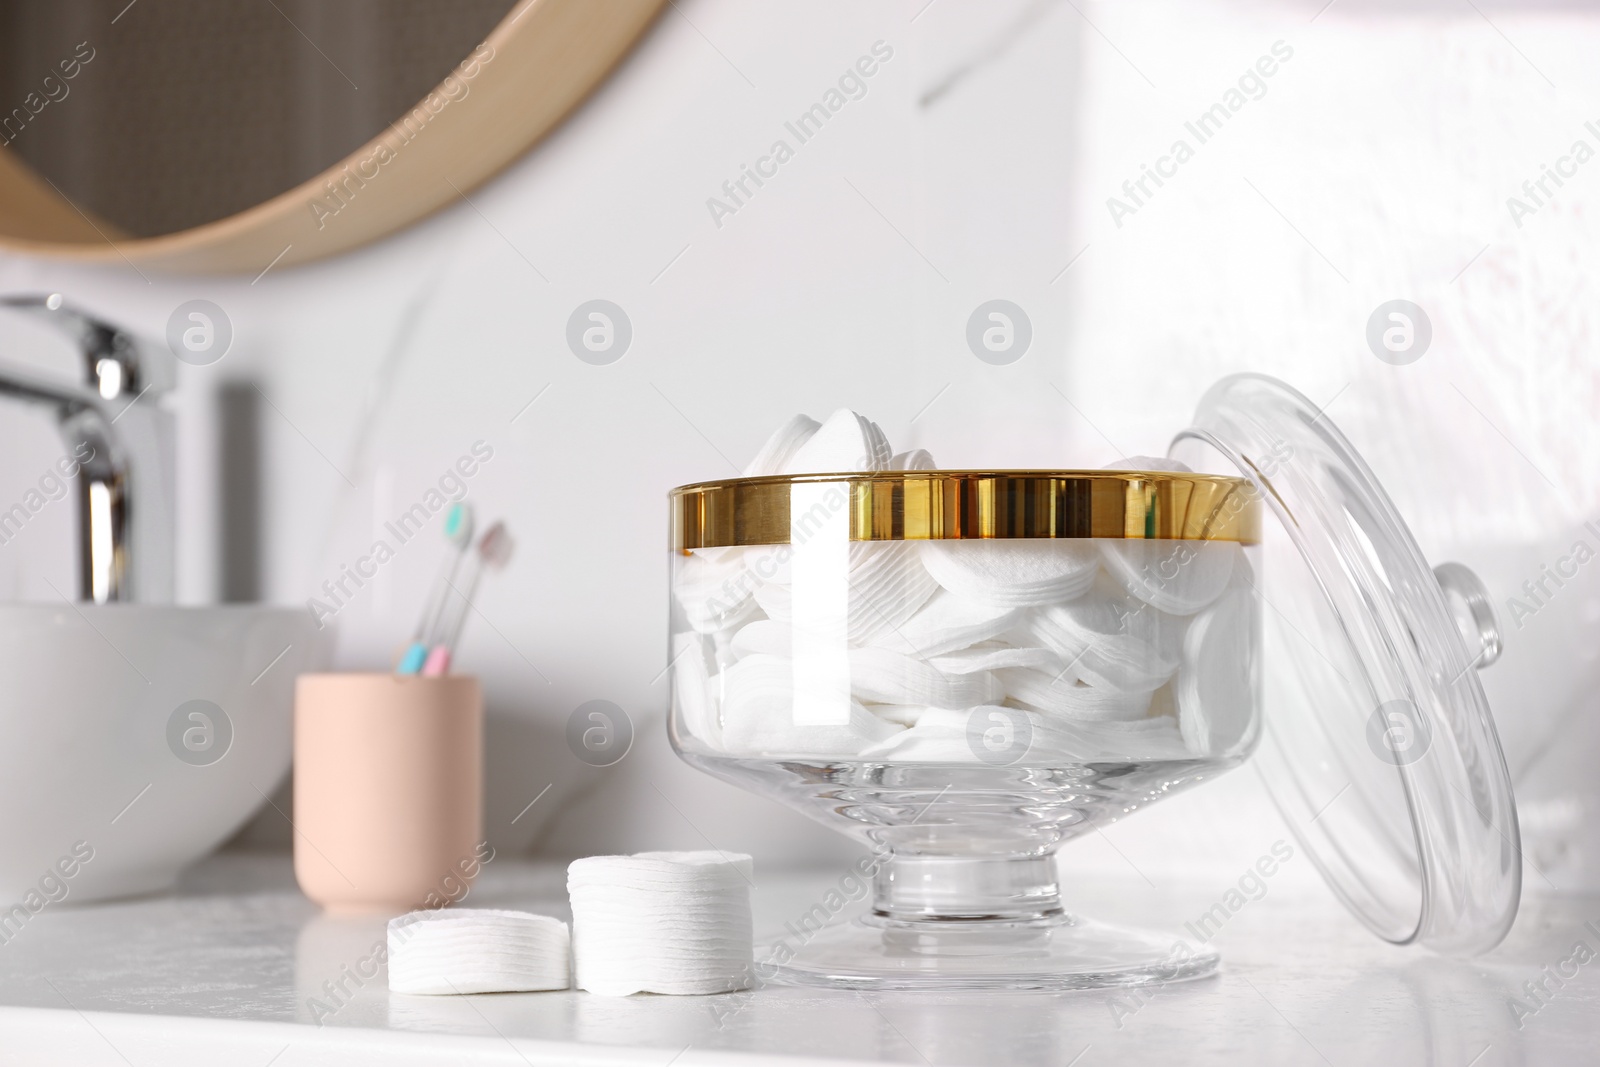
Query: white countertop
(231, 969)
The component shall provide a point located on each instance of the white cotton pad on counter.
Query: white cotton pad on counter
(661, 922)
(1013, 573)
(477, 950)
(1216, 680)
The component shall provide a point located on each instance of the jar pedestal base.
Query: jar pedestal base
(1052, 953)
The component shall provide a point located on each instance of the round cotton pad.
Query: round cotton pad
(1022, 573)
(477, 950)
(1216, 683)
(661, 922)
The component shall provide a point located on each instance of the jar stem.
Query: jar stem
(920, 887)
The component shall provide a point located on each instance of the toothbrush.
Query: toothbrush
(458, 524)
(494, 550)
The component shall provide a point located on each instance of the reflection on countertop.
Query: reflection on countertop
(1301, 983)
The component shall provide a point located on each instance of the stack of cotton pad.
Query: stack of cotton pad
(661, 922)
(477, 950)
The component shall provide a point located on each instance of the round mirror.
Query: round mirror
(191, 136)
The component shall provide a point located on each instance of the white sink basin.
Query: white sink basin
(99, 760)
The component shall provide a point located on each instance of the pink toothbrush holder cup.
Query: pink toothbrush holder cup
(388, 790)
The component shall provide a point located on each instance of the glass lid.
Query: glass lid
(1378, 745)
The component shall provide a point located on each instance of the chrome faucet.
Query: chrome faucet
(122, 441)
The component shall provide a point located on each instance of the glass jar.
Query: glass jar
(966, 669)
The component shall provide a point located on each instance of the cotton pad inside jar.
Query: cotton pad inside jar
(838, 624)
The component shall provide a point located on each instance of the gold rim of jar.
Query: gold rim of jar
(941, 505)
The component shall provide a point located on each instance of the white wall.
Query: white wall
(1383, 151)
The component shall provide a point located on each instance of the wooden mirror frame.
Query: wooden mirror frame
(537, 64)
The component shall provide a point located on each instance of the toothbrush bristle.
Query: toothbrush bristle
(495, 546)
(458, 524)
